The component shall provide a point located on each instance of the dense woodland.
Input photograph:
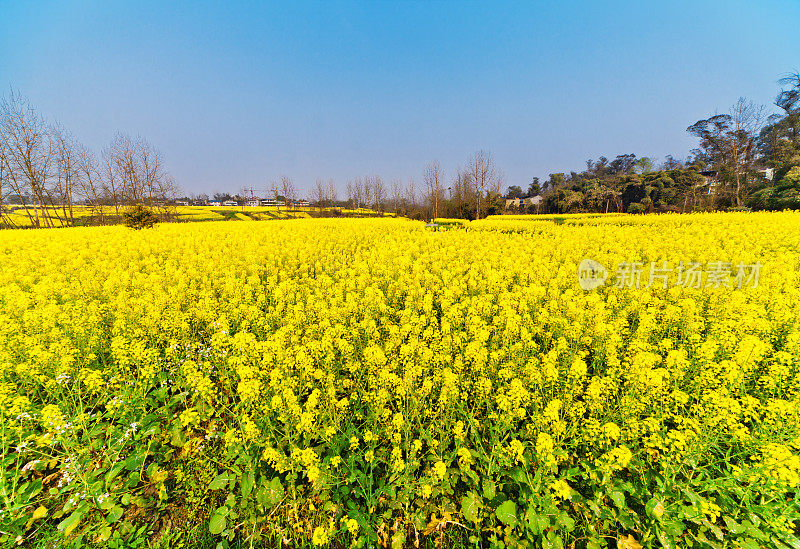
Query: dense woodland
(747, 158)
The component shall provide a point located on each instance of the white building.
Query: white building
(523, 202)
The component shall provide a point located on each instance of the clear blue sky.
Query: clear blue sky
(236, 93)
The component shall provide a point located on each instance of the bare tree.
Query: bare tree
(5, 189)
(748, 119)
(46, 166)
(357, 193)
(274, 190)
(411, 192)
(134, 174)
(482, 175)
(365, 192)
(396, 191)
(90, 183)
(67, 173)
(29, 155)
(331, 194)
(318, 194)
(461, 192)
(434, 177)
(112, 188)
(287, 189)
(730, 142)
(351, 193)
(377, 192)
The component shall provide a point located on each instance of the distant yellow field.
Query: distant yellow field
(25, 217)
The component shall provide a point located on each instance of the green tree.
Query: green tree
(140, 217)
(514, 191)
(784, 195)
(534, 188)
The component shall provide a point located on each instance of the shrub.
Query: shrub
(635, 208)
(140, 217)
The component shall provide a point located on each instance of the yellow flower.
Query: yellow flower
(351, 524)
(320, 536)
(561, 489)
(426, 491)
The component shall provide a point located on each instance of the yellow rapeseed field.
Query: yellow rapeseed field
(371, 381)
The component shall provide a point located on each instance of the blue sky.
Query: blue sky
(235, 93)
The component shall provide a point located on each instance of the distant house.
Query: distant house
(711, 177)
(253, 203)
(268, 202)
(214, 203)
(301, 203)
(230, 203)
(182, 202)
(523, 202)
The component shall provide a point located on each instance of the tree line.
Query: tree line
(472, 192)
(45, 172)
(745, 159)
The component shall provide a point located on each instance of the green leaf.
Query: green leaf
(107, 504)
(655, 507)
(618, 497)
(31, 491)
(274, 493)
(105, 533)
(135, 462)
(792, 541)
(114, 471)
(566, 522)
(507, 513)
(247, 483)
(536, 523)
(217, 523)
(68, 524)
(97, 488)
(115, 514)
(489, 488)
(666, 541)
(470, 506)
(674, 528)
(714, 529)
(749, 543)
(178, 437)
(733, 526)
(220, 481)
